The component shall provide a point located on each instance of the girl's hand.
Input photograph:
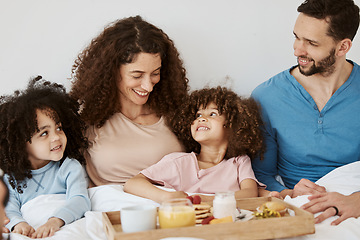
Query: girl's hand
(267, 193)
(177, 194)
(23, 228)
(206, 198)
(275, 194)
(49, 228)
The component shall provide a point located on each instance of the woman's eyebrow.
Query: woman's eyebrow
(140, 71)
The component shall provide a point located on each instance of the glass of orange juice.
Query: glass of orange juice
(177, 212)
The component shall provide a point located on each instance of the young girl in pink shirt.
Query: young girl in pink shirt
(221, 134)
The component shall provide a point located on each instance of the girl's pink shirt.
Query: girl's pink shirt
(181, 172)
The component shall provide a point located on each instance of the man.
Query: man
(312, 111)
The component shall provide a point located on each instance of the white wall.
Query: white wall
(235, 43)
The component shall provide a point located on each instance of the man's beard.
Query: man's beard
(325, 66)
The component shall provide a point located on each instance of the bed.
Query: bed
(345, 180)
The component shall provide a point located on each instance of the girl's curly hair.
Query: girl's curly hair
(243, 121)
(96, 70)
(18, 123)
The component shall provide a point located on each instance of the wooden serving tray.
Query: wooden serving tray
(289, 226)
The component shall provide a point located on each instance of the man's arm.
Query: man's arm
(266, 170)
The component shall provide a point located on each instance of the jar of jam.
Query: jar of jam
(224, 204)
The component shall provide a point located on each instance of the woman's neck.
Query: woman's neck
(140, 114)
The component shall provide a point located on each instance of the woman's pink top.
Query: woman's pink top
(181, 172)
(120, 149)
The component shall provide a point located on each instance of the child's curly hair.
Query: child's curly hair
(243, 120)
(96, 71)
(18, 123)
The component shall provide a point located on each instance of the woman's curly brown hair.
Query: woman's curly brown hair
(18, 123)
(96, 70)
(243, 121)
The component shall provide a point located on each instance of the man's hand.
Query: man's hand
(307, 187)
(348, 206)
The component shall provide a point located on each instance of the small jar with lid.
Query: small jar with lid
(224, 204)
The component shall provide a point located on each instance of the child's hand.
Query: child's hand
(177, 194)
(6, 221)
(23, 228)
(49, 228)
(206, 198)
(275, 194)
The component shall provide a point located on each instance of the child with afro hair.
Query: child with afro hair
(41, 141)
(221, 133)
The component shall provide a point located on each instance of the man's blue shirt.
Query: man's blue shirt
(302, 142)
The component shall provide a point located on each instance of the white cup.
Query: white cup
(138, 218)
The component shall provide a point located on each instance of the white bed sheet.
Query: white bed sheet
(112, 198)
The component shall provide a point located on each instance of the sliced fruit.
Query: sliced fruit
(222, 220)
(207, 220)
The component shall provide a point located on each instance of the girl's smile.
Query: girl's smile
(202, 128)
(57, 148)
(208, 127)
(48, 144)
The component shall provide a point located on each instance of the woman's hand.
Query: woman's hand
(348, 206)
(49, 228)
(24, 228)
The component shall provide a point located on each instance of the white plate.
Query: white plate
(243, 215)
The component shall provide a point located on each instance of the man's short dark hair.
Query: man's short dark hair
(342, 16)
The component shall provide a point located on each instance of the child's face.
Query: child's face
(208, 127)
(49, 143)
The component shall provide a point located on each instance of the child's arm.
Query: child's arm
(49, 228)
(13, 214)
(77, 197)
(266, 193)
(248, 189)
(141, 186)
(23, 228)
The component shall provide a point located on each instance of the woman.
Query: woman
(129, 81)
